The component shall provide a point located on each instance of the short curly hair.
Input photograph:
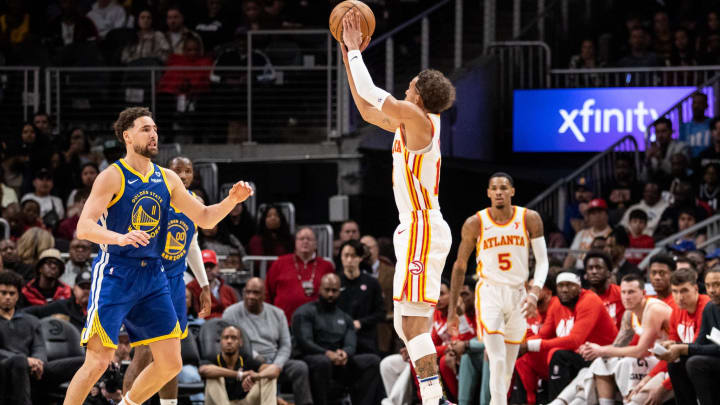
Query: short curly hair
(127, 118)
(436, 91)
(12, 279)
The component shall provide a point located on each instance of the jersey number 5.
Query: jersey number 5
(504, 261)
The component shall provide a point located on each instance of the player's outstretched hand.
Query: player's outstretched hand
(363, 46)
(135, 238)
(452, 323)
(240, 192)
(352, 35)
(205, 303)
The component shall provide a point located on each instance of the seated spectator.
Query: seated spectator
(574, 217)
(72, 309)
(709, 191)
(659, 271)
(273, 237)
(693, 367)
(696, 132)
(710, 53)
(178, 33)
(685, 324)
(615, 368)
(79, 261)
(32, 243)
(267, 329)
(78, 152)
(70, 27)
(348, 230)
(712, 153)
(239, 223)
(150, 43)
(254, 17)
(651, 204)
(15, 218)
(51, 207)
(383, 271)
(222, 294)
(67, 227)
(638, 220)
(236, 379)
(11, 261)
(683, 51)
(220, 242)
(108, 15)
(623, 190)
(15, 25)
(686, 219)
(7, 194)
(27, 153)
(178, 82)
(46, 286)
(615, 246)
(586, 59)
(361, 297)
(683, 198)
(326, 339)
(294, 279)
(657, 157)
(396, 375)
(88, 173)
(575, 317)
(600, 280)
(639, 55)
(597, 226)
(24, 369)
(214, 27)
(598, 243)
(30, 215)
(662, 43)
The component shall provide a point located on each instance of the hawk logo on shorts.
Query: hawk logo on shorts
(416, 267)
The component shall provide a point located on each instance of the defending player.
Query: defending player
(501, 235)
(181, 250)
(127, 215)
(422, 240)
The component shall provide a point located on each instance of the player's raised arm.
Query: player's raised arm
(470, 233)
(107, 185)
(205, 216)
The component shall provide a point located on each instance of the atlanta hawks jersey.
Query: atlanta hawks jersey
(502, 249)
(416, 175)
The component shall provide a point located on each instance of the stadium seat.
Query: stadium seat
(62, 340)
(190, 355)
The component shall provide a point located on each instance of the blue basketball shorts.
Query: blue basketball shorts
(133, 292)
(176, 285)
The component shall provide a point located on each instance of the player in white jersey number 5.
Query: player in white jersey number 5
(422, 241)
(501, 235)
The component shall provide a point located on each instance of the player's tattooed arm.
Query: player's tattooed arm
(626, 333)
(470, 233)
(534, 224)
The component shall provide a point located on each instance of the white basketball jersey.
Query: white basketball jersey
(502, 249)
(416, 175)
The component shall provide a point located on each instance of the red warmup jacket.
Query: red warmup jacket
(34, 296)
(227, 298)
(683, 328)
(613, 303)
(566, 329)
(441, 336)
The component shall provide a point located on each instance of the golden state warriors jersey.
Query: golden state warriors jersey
(143, 204)
(502, 249)
(180, 232)
(416, 175)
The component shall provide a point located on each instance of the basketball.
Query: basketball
(366, 16)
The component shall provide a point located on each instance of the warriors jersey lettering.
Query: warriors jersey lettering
(142, 203)
(181, 231)
(502, 249)
(416, 175)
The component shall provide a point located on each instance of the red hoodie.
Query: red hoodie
(35, 297)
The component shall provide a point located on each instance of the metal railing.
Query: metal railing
(598, 171)
(19, 96)
(682, 110)
(632, 77)
(711, 227)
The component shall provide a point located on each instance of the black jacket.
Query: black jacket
(67, 307)
(703, 345)
(318, 328)
(22, 335)
(362, 299)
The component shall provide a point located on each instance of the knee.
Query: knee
(298, 368)
(322, 363)
(170, 365)
(694, 366)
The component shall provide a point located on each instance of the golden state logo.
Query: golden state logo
(146, 212)
(176, 240)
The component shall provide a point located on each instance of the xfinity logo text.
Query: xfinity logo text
(602, 119)
(587, 120)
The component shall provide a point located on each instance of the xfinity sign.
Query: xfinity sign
(587, 120)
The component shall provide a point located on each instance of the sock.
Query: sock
(126, 400)
(168, 401)
(605, 401)
(430, 390)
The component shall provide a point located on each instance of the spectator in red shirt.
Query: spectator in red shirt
(638, 238)
(222, 294)
(661, 267)
(178, 82)
(273, 238)
(597, 274)
(575, 317)
(46, 287)
(685, 322)
(294, 279)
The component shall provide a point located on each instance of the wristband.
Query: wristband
(239, 375)
(534, 345)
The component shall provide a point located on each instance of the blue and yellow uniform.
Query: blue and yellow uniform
(129, 285)
(180, 232)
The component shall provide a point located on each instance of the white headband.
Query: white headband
(567, 277)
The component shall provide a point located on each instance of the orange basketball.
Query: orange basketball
(367, 18)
